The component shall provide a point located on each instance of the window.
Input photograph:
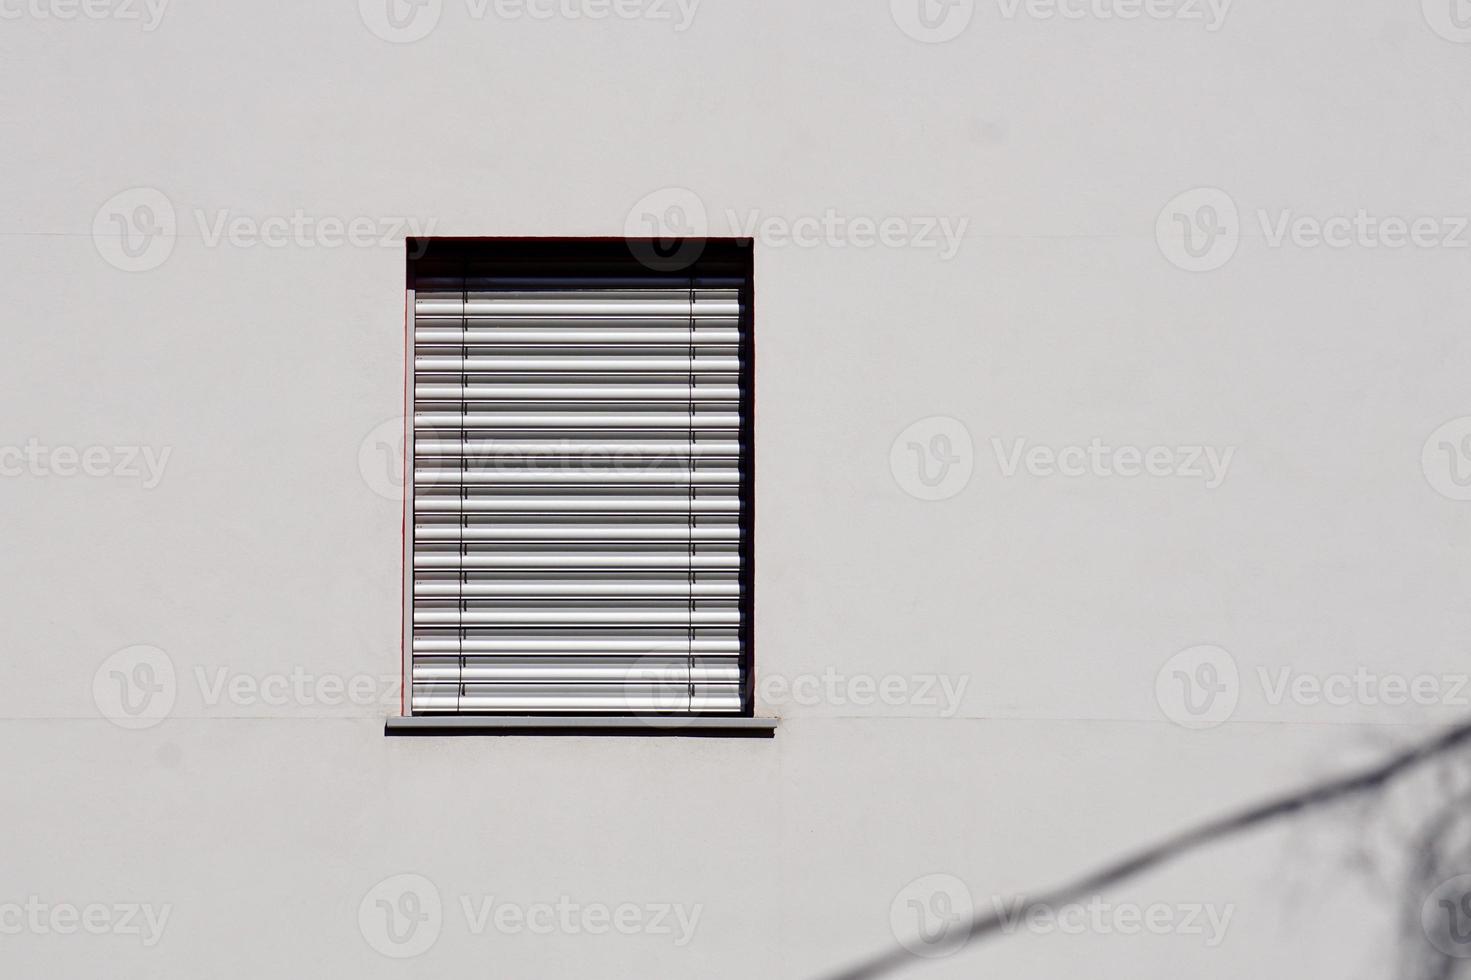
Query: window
(580, 509)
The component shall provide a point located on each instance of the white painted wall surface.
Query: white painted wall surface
(264, 549)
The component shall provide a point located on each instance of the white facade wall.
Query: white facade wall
(265, 549)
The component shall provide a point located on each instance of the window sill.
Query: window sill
(701, 727)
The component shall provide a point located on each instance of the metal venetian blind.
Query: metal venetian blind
(577, 494)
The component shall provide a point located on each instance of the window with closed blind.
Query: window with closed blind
(580, 502)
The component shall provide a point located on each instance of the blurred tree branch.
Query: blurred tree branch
(1434, 859)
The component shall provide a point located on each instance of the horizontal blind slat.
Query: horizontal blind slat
(589, 561)
(576, 420)
(568, 504)
(571, 617)
(554, 589)
(671, 448)
(591, 392)
(632, 364)
(563, 645)
(535, 475)
(591, 338)
(574, 533)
